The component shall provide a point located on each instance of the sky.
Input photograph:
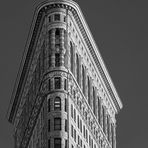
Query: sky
(121, 33)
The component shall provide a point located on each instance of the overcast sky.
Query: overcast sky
(120, 29)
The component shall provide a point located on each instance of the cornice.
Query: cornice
(77, 14)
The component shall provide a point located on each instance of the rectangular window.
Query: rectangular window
(83, 131)
(48, 105)
(57, 123)
(75, 135)
(57, 17)
(48, 143)
(65, 125)
(78, 120)
(57, 82)
(49, 85)
(57, 143)
(72, 131)
(65, 84)
(49, 125)
(65, 105)
(74, 115)
(49, 19)
(71, 111)
(66, 143)
(57, 60)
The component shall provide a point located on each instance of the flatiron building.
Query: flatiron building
(63, 96)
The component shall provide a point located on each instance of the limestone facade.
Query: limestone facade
(65, 97)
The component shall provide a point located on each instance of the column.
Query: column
(110, 131)
(52, 39)
(114, 136)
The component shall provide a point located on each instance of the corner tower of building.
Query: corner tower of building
(63, 96)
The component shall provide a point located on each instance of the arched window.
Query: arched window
(57, 104)
(88, 83)
(77, 68)
(71, 57)
(83, 79)
(94, 101)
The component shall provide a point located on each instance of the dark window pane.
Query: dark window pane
(49, 85)
(65, 84)
(57, 17)
(65, 105)
(65, 125)
(57, 123)
(57, 143)
(48, 105)
(57, 82)
(49, 125)
(57, 59)
(49, 19)
(49, 143)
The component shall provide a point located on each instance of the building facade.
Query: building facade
(63, 96)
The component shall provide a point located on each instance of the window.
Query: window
(49, 61)
(57, 17)
(57, 104)
(66, 144)
(49, 85)
(75, 135)
(48, 105)
(77, 66)
(57, 82)
(72, 131)
(57, 143)
(94, 101)
(49, 19)
(78, 120)
(65, 105)
(71, 110)
(81, 125)
(57, 123)
(83, 79)
(71, 57)
(57, 60)
(65, 125)
(74, 115)
(99, 111)
(49, 125)
(65, 84)
(48, 143)
(86, 135)
(84, 131)
(88, 81)
(64, 18)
